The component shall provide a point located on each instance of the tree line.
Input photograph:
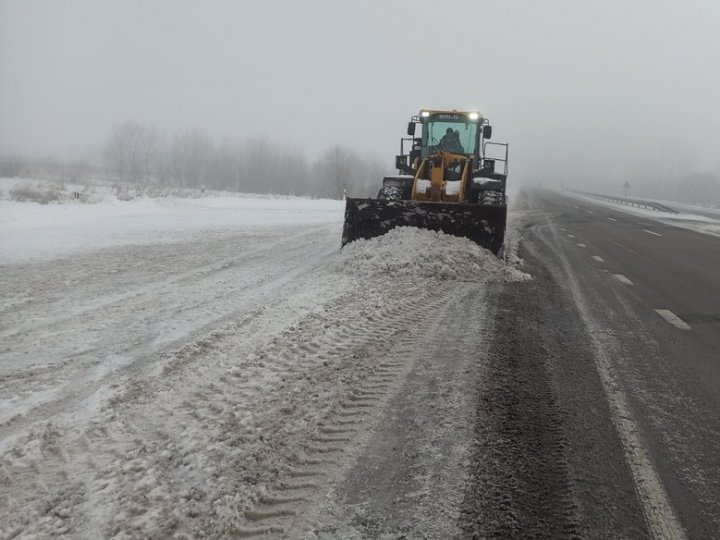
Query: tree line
(138, 154)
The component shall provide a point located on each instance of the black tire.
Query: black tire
(492, 198)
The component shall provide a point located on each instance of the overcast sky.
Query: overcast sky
(581, 89)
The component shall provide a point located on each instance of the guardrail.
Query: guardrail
(637, 203)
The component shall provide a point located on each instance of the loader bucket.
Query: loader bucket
(368, 218)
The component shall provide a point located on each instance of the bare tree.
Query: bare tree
(190, 158)
(136, 153)
(368, 177)
(11, 166)
(258, 162)
(335, 169)
(341, 171)
(131, 151)
(225, 167)
(293, 174)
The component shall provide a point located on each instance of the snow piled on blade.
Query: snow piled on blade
(421, 253)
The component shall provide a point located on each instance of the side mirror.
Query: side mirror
(411, 128)
(487, 132)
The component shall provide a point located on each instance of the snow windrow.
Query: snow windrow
(424, 254)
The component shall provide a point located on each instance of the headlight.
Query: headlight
(424, 114)
(473, 116)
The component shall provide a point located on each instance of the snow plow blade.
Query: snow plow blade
(483, 224)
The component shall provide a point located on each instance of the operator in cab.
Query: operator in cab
(450, 142)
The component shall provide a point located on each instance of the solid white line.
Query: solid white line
(660, 516)
(673, 319)
(598, 258)
(612, 219)
(581, 245)
(651, 232)
(622, 279)
(571, 236)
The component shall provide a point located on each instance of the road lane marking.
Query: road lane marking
(651, 232)
(622, 279)
(589, 211)
(621, 246)
(598, 258)
(581, 245)
(612, 219)
(660, 516)
(673, 319)
(571, 236)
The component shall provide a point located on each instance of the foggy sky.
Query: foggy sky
(582, 90)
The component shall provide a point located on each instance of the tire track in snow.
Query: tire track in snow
(283, 510)
(245, 427)
(53, 304)
(133, 460)
(124, 341)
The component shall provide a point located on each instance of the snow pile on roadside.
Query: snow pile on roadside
(420, 253)
(515, 220)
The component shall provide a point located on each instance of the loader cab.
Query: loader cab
(470, 129)
(452, 132)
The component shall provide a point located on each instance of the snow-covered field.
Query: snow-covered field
(202, 367)
(30, 231)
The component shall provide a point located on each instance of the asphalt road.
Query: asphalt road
(623, 319)
(670, 269)
(590, 414)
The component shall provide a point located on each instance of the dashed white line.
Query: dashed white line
(622, 279)
(581, 245)
(673, 319)
(598, 258)
(571, 236)
(660, 516)
(589, 211)
(652, 232)
(612, 219)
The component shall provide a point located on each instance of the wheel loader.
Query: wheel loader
(448, 182)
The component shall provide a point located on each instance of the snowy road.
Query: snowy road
(256, 382)
(127, 354)
(71, 325)
(234, 382)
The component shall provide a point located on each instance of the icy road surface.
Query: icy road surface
(227, 380)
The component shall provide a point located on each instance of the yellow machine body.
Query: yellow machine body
(449, 184)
